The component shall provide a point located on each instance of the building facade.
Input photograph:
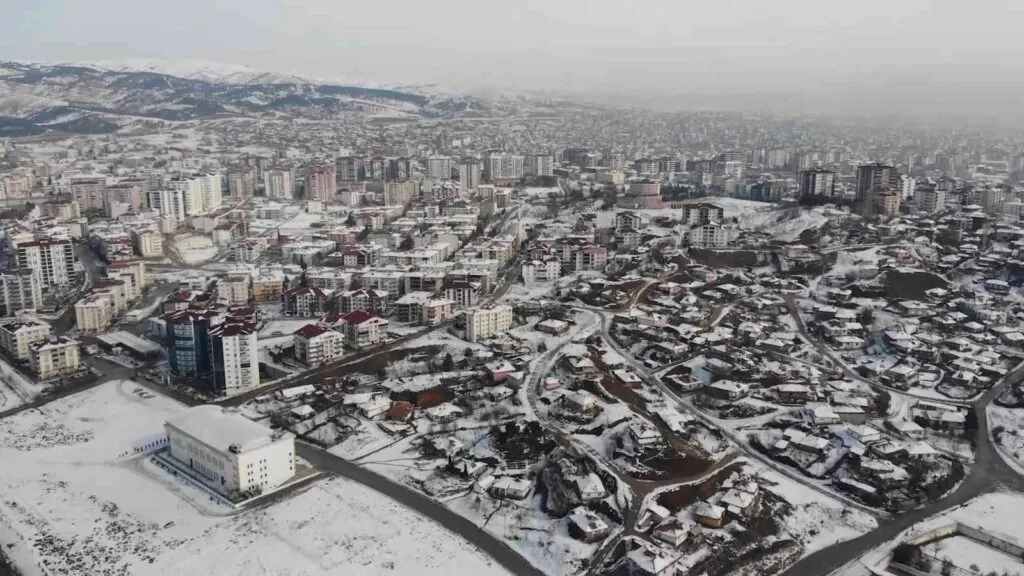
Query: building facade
(488, 321)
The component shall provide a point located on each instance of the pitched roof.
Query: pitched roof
(311, 330)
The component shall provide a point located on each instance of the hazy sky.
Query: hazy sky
(944, 52)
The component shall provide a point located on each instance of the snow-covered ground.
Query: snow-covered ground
(16, 388)
(998, 512)
(70, 502)
(817, 521)
(195, 249)
(1009, 440)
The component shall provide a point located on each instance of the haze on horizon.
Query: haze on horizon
(919, 57)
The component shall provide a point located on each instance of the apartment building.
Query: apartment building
(54, 356)
(488, 321)
(17, 337)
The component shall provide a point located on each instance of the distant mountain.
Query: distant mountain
(105, 97)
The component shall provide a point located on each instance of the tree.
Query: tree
(407, 243)
(364, 234)
(865, 316)
(882, 402)
(447, 363)
(468, 352)
(542, 347)
(947, 567)
(351, 220)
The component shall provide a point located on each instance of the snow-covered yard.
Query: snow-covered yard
(70, 503)
(195, 248)
(1007, 426)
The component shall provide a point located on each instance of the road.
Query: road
(502, 553)
(987, 474)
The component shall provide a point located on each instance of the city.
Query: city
(274, 325)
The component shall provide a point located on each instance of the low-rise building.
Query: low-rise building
(232, 454)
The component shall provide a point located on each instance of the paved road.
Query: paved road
(496, 549)
(988, 474)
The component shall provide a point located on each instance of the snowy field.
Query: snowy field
(817, 521)
(71, 504)
(1009, 440)
(195, 249)
(998, 513)
(16, 389)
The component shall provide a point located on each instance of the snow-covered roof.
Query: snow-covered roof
(221, 429)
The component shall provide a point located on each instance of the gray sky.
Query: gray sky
(898, 52)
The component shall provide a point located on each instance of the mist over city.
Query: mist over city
(566, 288)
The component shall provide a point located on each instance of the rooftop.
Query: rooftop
(222, 429)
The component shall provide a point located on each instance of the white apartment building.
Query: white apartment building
(229, 451)
(279, 183)
(148, 243)
(242, 182)
(316, 344)
(439, 167)
(537, 271)
(539, 165)
(201, 193)
(320, 182)
(55, 357)
(401, 193)
(930, 201)
(94, 313)
(51, 261)
(487, 321)
(234, 357)
(234, 289)
(17, 337)
(469, 175)
(20, 290)
(363, 329)
(169, 201)
(712, 235)
(590, 258)
(504, 167)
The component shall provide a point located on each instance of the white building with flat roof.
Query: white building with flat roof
(230, 452)
(488, 321)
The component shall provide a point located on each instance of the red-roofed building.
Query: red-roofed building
(317, 344)
(306, 302)
(364, 329)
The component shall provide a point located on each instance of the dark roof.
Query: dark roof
(358, 316)
(311, 330)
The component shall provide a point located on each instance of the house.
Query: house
(922, 451)
(907, 429)
(469, 468)
(582, 366)
(673, 532)
(644, 435)
(590, 488)
(579, 401)
(587, 526)
(792, 393)
(822, 414)
(865, 434)
(512, 488)
(741, 503)
(375, 408)
(709, 515)
(443, 413)
(726, 390)
(552, 326)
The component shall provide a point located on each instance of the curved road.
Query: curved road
(988, 473)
